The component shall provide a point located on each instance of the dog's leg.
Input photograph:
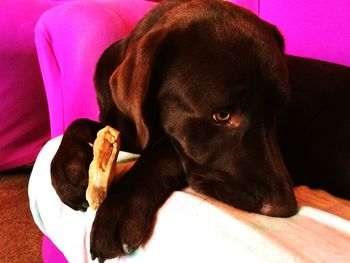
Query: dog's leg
(126, 218)
(69, 167)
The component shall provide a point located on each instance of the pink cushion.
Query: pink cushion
(23, 109)
(313, 28)
(68, 66)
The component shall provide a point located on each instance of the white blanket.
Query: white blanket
(194, 228)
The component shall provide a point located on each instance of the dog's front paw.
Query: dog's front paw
(123, 223)
(70, 165)
(69, 174)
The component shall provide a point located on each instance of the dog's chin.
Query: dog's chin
(285, 206)
(278, 206)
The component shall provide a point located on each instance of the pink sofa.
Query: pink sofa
(23, 109)
(71, 37)
(315, 28)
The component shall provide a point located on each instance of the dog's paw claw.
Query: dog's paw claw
(127, 249)
(84, 206)
(93, 256)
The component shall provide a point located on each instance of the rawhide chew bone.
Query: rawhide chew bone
(102, 169)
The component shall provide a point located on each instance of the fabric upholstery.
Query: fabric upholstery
(316, 29)
(68, 52)
(23, 109)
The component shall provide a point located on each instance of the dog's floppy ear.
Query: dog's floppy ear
(130, 81)
(107, 63)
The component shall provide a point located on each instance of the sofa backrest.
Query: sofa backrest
(313, 28)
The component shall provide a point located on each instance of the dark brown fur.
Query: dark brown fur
(184, 62)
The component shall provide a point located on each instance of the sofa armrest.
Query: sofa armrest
(69, 39)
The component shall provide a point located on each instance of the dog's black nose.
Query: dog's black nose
(280, 208)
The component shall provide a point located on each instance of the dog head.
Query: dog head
(212, 76)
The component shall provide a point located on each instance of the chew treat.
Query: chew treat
(102, 169)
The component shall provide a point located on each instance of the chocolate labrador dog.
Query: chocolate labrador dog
(201, 89)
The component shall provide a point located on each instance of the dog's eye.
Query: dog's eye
(226, 118)
(222, 117)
